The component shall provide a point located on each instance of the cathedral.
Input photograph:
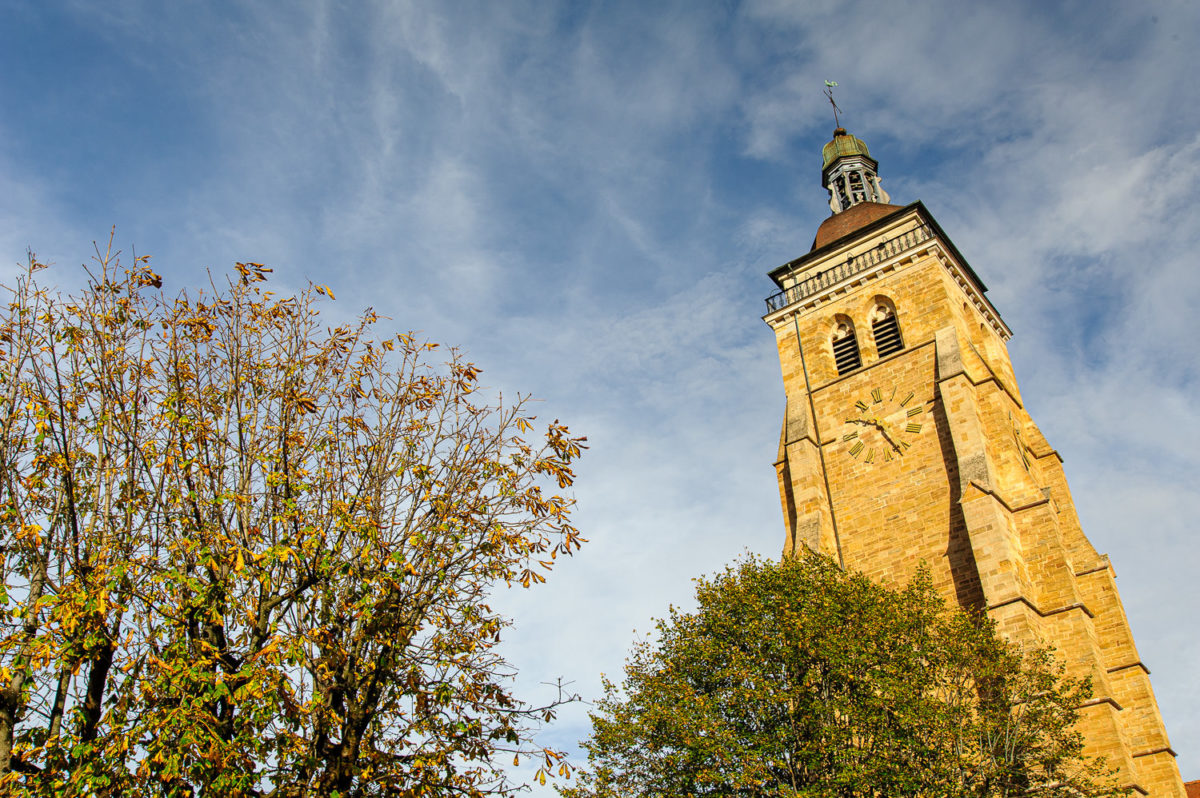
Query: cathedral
(905, 440)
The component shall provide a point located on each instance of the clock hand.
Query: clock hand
(888, 438)
(867, 422)
(874, 422)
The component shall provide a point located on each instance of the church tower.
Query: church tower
(905, 440)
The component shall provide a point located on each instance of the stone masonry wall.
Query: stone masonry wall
(976, 493)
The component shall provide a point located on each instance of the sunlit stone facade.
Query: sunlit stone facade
(927, 454)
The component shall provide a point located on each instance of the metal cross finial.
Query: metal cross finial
(829, 87)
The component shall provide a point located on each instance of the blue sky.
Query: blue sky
(586, 197)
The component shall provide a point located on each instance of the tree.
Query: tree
(244, 554)
(799, 679)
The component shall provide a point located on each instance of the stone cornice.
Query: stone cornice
(1105, 566)
(1078, 605)
(986, 491)
(1166, 749)
(1100, 700)
(931, 241)
(1127, 666)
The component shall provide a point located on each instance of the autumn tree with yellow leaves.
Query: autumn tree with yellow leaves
(245, 554)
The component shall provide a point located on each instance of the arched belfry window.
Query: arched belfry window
(845, 347)
(858, 192)
(886, 330)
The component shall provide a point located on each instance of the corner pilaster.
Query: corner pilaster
(993, 537)
(801, 483)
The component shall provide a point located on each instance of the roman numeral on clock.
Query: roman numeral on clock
(860, 404)
(913, 427)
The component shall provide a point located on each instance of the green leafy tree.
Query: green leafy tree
(796, 678)
(247, 554)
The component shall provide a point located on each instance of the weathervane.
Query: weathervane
(829, 87)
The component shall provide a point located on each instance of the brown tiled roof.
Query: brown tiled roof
(1193, 789)
(849, 220)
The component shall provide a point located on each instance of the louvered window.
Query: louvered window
(845, 349)
(886, 330)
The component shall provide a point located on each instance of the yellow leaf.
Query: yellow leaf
(240, 565)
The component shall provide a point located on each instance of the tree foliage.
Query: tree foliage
(246, 554)
(799, 679)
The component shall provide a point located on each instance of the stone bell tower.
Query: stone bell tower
(905, 440)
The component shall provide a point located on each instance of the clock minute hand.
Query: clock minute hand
(884, 432)
(888, 438)
(874, 422)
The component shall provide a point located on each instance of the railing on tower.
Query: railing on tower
(848, 268)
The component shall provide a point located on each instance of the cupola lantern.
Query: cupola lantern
(849, 172)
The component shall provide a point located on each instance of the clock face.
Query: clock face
(882, 426)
